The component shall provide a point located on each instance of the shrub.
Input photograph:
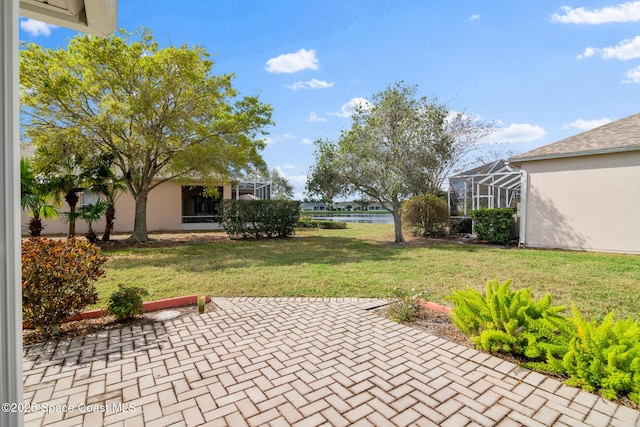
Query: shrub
(493, 225)
(503, 320)
(461, 226)
(260, 218)
(605, 356)
(324, 224)
(405, 305)
(426, 215)
(126, 302)
(58, 280)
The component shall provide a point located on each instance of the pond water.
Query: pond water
(362, 218)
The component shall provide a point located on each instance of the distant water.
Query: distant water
(362, 218)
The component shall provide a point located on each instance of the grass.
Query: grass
(360, 262)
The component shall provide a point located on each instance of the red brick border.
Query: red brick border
(436, 307)
(147, 306)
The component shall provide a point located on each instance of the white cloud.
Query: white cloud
(626, 49)
(36, 28)
(587, 52)
(634, 75)
(311, 84)
(625, 12)
(306, 141)
(474, 17)
(314, 118)
(288, 166)
(277, 138)
(348, 109)
(517, 132)
(293, 62)
(584, 125)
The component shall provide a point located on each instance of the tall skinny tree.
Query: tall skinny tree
(399, 145)
(160, 112)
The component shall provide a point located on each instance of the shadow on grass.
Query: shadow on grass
(268, 252)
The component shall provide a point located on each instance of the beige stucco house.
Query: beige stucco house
(583, 192)
(171, 206)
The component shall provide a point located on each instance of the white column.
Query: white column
(11, 390)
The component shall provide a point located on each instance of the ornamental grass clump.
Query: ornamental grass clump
(605, 357)
(512, 322)
(58, 280)
(405, 306)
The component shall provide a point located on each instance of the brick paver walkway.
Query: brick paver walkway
(302, 362)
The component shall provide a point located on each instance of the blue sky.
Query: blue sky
(540, 70)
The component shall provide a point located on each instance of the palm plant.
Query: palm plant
(102, 179)
(35, 197)
(90, 214)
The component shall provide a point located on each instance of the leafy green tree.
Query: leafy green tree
(35, 197)
(399, 145)
(161, 113)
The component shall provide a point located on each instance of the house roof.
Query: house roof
(618, 136)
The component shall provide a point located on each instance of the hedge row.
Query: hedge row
(260, 218)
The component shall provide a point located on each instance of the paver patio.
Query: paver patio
(303, 362)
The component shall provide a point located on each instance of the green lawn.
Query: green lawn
(361, 262)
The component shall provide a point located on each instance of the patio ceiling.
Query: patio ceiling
(98, 17)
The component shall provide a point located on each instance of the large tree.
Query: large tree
(399, 145)
(161, 113)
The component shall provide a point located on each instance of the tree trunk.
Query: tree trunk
(72, 201)
(140, 219)
(110, 216)
(397, 222)
(35, 226)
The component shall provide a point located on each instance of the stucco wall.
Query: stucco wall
(164, 212)
(584, 203)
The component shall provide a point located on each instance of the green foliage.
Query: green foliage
(324, 224)
(58, 280)
(427, 215)
(605, 356)
(405, 305)
(503, 320)
(399, 145)
(494, 225)
(260, 218)
(126, 302)
(161, 112)
(35, 197)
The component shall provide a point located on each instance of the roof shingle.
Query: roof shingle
(621, 135)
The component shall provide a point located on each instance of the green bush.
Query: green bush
(324, 224)
(605, 357)
(405, 305)
(493, 225)
(260, 218)
(426, 215)
(126, 302)
(58, 280)
(503, 320)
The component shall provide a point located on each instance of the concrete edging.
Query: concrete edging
(436, 307)
(147, 306)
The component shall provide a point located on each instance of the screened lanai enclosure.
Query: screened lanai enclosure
(203, 210)
(492, 185)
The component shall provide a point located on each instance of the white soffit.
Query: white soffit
(98, 17)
